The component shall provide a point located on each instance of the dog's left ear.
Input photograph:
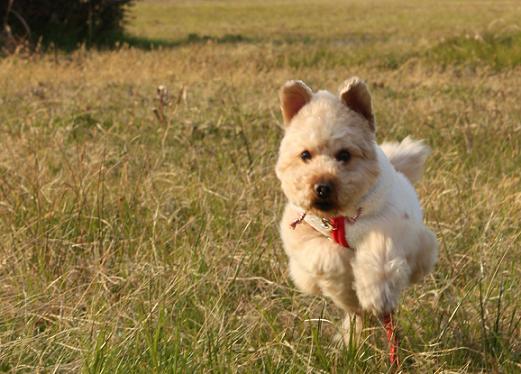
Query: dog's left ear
(355, 95)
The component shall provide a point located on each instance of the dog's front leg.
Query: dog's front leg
(352, 328)
(381, 272)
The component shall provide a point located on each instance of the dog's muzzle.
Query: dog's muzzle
(324, 196)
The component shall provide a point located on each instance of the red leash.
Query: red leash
(392, 339)
(338, 233)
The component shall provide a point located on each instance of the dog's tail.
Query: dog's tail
(407, 157)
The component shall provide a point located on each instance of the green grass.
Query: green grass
(132, 244)
(497, 51)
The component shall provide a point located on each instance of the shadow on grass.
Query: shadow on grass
(119, 40)
(67, 43)
(190, 39)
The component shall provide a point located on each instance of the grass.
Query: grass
(140, 242)
(497, 51)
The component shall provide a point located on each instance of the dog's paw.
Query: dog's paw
(351, 330)
(378, 299)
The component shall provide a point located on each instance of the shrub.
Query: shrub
(63, 22)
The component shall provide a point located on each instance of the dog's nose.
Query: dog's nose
(323, 190)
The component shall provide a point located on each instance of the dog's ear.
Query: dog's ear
(293, 96)
(355, 95)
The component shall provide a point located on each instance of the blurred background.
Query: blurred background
(139, 207)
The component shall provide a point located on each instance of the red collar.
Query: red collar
(335, 225)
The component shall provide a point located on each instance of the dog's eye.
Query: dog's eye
(343, 155)
(305, 156)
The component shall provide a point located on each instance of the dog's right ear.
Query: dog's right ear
(355, 95)
(293, 96)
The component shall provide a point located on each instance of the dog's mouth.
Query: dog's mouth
(325, 206)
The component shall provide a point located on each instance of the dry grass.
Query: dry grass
(129, 243)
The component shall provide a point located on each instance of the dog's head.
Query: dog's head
(327, 158)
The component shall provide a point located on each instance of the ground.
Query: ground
(137, 236)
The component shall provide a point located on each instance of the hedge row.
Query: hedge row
(63, 21)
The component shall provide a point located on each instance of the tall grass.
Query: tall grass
(138, 233)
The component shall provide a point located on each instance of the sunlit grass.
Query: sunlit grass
(132, 244)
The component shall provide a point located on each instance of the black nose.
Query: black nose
(323, 190)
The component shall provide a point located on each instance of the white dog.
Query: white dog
(353, 226)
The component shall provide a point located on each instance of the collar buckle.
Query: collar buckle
(326, 224)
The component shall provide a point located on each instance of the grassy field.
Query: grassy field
(137, 236)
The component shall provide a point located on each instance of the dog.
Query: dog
(353, 227)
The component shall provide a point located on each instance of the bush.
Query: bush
(63, 22)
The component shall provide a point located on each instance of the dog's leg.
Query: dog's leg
(303, 279)
(352, 328)
(381, 272)
(423, 259)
